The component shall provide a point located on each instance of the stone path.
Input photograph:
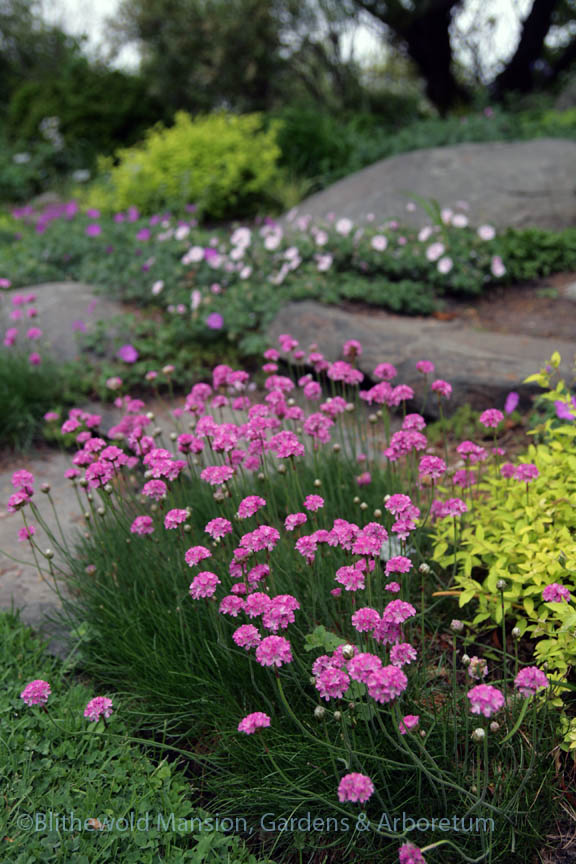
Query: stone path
(483, 367)
(508, 184)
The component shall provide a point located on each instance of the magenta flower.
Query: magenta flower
(36, 693)
(529, 680)
(250, 505)
(293, 520)
(142, 525)
(355, 787)
(98, 707)
(365, 619)
(214, 321)
(253, 722)
(332, 683)
(408, 723)
(526, 472)
(174, 518)
(218, 528)
(128, 354)
(26, 533)
(491, 418)
(485, 699)
(246, 636)
(511, 403)
(204, 585)
(274, 651)
(34, 359)
(93, 230)
(555, 593)
(432, 466)
(410, 854)
(196, 554)
(386, 684)
(443, 388)
(313, 502)
(217, 475)
(34, 333)
(402, 654)
(425, 366)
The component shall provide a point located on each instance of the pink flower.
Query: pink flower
(425, 366)
(398, 564)
(486, 232)
(34, 359)
(365, 619)
(93, 230)
(379, 242)
(435, 251)
(246, 636)
(402, 654)
(23, 481)
(363, 665)
(252, 722)
(355, 787)
(217, 475)
(410, 854)
(250, 505)
(385, 372)
(204, 585)
(432, 466)
(477, 668)
(155, 489)
(98, 707)
(196, 554)
(332, 683)
(128, 354)
(555, 593)
(508, 470)
(397, 612)
(218, 528)
(385, 684)
(174, 518)
(313, 502)
(485, 699)
(17, 501)
(364, 479)
(231, 605)
(443, 388)
(526, 472)
(26, 533)
(491, 418)
(512, 401)
(274, 651)
(497, 267)
(445, 265)
(352, 348)
(529, 680)
(350, 577)
(408, 723)
(142, 525)
(293, 520)
(36, 693)
(34, 333)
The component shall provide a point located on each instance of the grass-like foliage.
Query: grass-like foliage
(72, 787)
(257, 579)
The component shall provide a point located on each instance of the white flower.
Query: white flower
(344, 226)
(379, 242)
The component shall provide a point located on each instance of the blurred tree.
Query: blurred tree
(424, 30)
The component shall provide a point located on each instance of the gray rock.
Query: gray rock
(63, 308)
(507, 184)
(482, 367)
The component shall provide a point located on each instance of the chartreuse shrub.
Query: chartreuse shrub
(256, 576)
(221, 162)
(514, 553)
(75, 790)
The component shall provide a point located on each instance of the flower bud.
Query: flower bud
(173, 436)
(494, 726)
(424, 569)
(377, 513)
(281, 469)
(350, 407)
(372, 418)
(348, 652)
(150, 415)
(83, 482)
(45, 487)
(317, 483)
(261, 476)
(187, 529)
(337, 715)
(108, 489)
(101, 511)
(501, 585)
(465, 660)
(456, 625)
(49, 554)
(356, 500)
(363, 505)
(478, 735)
(336, 448)
(319, 712)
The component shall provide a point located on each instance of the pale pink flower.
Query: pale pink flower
(36, 693)
(246, 636)
(142, 525)
(253, 722)
(355, 787)
(204, 585)
(529, 680)
(174, 518)
(443, 388)
(485, 699)
(98, 707)
(196, 554)
(313, 502)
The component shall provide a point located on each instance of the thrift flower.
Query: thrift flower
(485, 699)
(204, 585)
(252, 722)
(98, 707)
(274, 651)
(355, 787)
(408, 723)
(529, 680)
(36, 693)
(555, 593)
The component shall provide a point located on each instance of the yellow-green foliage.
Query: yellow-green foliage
(524, 534)
(221, 162)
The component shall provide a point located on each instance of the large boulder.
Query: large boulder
(507, 184)
(482, 367)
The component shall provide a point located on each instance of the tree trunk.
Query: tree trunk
(427, 39)
(518, 76)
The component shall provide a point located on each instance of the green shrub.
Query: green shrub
(523, 533)
(220, 162)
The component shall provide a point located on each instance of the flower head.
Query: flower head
(98, 707)
(355, 787)
(529, 680)
(485, 699)
(252, 722)
(36, 693)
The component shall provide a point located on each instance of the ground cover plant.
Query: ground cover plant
(259, 577)
(216, 286)
(72, 778)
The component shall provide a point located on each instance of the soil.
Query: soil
(541, 308)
